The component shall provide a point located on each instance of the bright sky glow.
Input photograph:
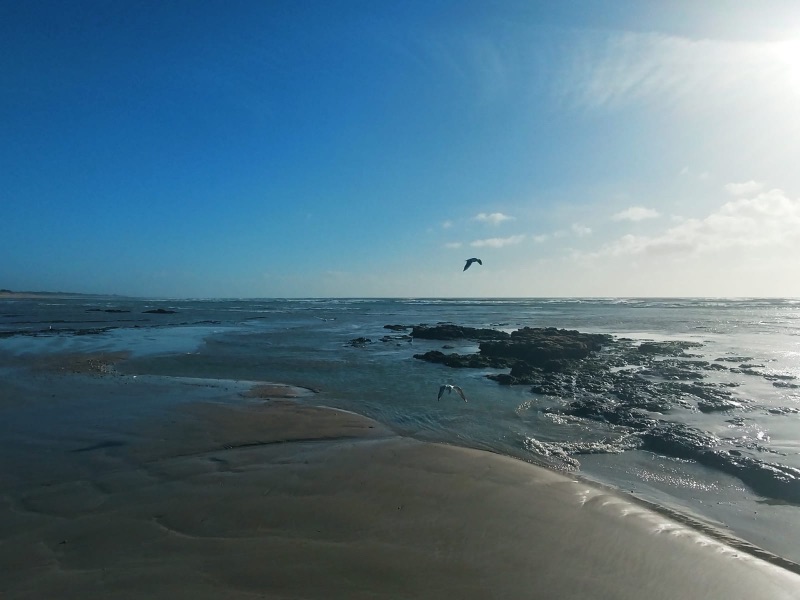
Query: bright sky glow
(268, 149)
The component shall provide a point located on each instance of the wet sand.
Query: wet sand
(273, 498)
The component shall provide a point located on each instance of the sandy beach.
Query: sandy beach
(277, 498)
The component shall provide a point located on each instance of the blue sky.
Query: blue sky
(299, 149)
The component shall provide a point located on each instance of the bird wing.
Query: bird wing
(442, 388)
(472, 260)
(460, 392)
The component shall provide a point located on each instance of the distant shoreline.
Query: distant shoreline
(25, 295)
(11, 294)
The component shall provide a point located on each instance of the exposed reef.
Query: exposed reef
(630, 386)
(449, 331)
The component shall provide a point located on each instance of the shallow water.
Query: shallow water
(306, 343)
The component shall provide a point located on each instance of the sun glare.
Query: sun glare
(787, 57)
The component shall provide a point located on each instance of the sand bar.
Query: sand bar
(280, 500)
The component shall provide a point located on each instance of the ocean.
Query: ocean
(717, 440)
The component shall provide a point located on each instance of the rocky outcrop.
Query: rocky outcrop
(463, 361)
(449, 331)
(672, 348)
(681, 441)
(529, 352)
(549, 349)
(632, 387)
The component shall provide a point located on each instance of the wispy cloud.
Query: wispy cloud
(492, 218)
(447, 224)
(475, 61)
(636, 213)
(453, 245)
(770, 219)
(744, 189)
(622, 69)
(498, 242)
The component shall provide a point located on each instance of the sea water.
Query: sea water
(309, 342)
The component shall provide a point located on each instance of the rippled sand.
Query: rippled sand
(278, 499)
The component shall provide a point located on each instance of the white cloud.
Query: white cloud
(453, 245)
(493, 218)
(770, 220)
(744, 189)
(543, 237)
(498, 242)
(636, 213)
(581, 230)
(447, 224)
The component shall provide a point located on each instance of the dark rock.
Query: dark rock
(681, 441)
(785, 384)
(608, 410)
(449, 331)
(676, 348)
(673, 370)
(717, 367)
(718, 405)
(396, 338)
(779, 377)
(538, 346)
(521, 370)
(710, 398)
(746, 371)
(396, 327)
(765, 478)
(503, 378)
(783, 410)
(160, 311)
(469, 361)
(359, 342)
(678, 440)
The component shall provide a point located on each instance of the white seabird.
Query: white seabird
(470, 261)
(449, 389)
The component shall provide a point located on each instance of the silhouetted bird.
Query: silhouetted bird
(449, 389)
(470, 261)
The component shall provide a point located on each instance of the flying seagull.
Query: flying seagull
(449, 389)
(470, 261)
